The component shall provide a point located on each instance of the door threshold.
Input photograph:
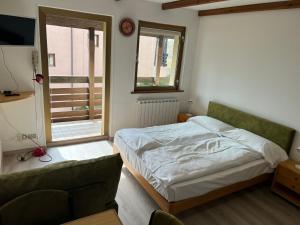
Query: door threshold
(77, 141)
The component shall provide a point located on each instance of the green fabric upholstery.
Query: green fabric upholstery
(34, 208)
(279, 134)
(159, 217)
(90, 187)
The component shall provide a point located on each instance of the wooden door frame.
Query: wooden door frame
(107, 20)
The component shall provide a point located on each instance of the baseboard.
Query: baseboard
(61, 143)
(19, 151)
(77, 141)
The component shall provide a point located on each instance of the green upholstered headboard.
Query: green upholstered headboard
(279, 134)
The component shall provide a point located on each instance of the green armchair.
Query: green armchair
(159, 217)
(59, 193)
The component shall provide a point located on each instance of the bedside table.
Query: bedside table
(286, 182)
(183, 117)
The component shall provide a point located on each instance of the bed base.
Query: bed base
(179, 206)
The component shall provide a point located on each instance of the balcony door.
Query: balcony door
(75, 51)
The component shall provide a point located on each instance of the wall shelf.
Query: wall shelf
(23, 95)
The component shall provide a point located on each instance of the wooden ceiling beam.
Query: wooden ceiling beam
(252, 8)
(186, 3)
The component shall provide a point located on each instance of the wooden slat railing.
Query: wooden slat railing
(73, 113)
(76, 101)
(56, 98)
(72, 79)
(69, 119)
(75, 97)
(57, 91)
(73, 104)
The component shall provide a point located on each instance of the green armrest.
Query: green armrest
(37, 207)
(159, 217)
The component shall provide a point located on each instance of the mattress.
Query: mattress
(194, 187)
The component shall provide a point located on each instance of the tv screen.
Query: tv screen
(16, 30)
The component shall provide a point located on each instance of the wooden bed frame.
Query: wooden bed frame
(279, 134)
(179, 206)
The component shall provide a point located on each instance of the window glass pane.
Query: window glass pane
(157, 58)
(96, 40)
(51, 60)
(147, 61)
(169, 62)
(71, 49)
(79, 52)
(99, 59)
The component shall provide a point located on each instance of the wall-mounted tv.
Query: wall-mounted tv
(16, 30)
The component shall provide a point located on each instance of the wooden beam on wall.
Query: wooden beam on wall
(252, 8)
(186, 3)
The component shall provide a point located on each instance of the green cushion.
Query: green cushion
(279, 134)
(159, 217)
(92, 184)
(37, 207)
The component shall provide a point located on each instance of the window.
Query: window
(51, 60)
(96, 40)
(159, 56)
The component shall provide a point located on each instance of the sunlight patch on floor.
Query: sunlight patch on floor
(72, 152)
(76, 129)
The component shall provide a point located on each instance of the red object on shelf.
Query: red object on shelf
(39, 78)
(38, 152)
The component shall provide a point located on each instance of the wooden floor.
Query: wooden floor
(254, 206)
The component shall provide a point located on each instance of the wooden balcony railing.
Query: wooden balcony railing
(151, 80)
(73, 104)
(72, 79)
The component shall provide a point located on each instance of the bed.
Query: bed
(188, 164)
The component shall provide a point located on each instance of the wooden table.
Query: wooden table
(183, 117)
(23, 95)
(286, 182)
(109, 217)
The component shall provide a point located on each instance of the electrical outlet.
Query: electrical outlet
(24, 137)
(31, 136)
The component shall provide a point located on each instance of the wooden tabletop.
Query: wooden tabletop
(290, 164)
(109, 217)
(22, 95)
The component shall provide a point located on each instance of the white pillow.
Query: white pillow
(211, 124)
(272, 153)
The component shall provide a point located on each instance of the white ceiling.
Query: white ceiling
(227, 3)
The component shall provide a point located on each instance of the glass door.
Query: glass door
(76, 66)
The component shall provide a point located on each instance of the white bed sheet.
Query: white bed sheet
(194, 187)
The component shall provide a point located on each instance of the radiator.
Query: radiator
(152, 112)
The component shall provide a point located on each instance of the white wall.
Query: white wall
(22, 114)
(251, 61)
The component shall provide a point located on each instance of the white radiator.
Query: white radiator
(152, 112)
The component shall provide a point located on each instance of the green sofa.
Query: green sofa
(61, 192)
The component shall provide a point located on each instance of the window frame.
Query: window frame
(54, 59)
(161, 89)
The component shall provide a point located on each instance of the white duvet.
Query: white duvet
(173, 164)
(143, 139)
(180, 152)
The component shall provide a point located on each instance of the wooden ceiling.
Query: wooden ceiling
(287, 4)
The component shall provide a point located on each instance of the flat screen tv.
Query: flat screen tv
(16, 30)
